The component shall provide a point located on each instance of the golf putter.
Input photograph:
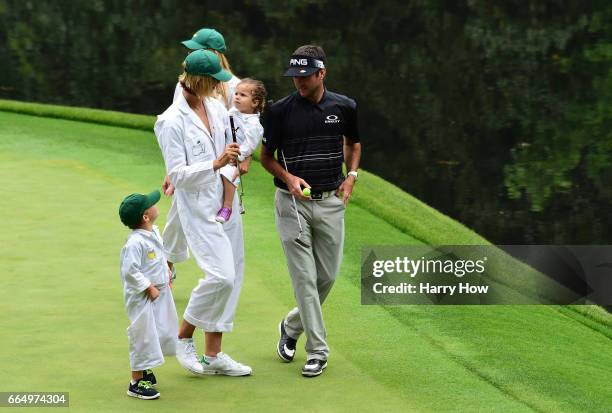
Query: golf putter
(297, 214)
(241, 187)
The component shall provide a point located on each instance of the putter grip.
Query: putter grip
(233, 128)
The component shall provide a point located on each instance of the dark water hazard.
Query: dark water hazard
(497, 113)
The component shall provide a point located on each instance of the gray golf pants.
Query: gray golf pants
(313, 270)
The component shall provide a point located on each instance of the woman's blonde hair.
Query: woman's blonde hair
(222, 87)
(201, 86)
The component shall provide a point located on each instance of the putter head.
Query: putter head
(301, 242)
(242, 210)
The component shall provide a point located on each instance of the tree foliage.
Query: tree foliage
(496, 112)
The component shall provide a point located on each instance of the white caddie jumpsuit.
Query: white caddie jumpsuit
(154, 324)
(189, 151)
(175, 244)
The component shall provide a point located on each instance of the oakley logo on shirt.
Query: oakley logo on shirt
(332, 119)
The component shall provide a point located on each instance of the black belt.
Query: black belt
(319, 195)
(315, 195)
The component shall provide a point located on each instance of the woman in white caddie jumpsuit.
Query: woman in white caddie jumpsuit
(175, 242)
(192, 135)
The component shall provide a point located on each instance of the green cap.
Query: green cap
(206, 63)
(206, 39)
(133, 207)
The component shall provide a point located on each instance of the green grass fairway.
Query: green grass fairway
(63, 322)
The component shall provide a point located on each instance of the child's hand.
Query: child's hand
(244, 165)
(152, 292)
(243, 168)
(167, 187)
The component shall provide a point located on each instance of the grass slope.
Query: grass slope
(64, 325)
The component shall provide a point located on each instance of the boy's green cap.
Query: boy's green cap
(206, 63)
(206, 39)
(133, 207)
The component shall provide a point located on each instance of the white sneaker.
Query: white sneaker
(223, 364)
(187, 357)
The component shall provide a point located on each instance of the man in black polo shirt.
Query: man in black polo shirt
(312, 132)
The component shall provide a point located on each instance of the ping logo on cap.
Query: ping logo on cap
(298, 62)
(300, 65)
(307, 62)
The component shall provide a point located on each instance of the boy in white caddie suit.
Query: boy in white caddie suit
(148, 297)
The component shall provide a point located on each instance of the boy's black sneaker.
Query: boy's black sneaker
(314, 367)
(148, 375)
(286, 345)
(142, 390)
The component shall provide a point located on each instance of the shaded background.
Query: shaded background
(497, 113)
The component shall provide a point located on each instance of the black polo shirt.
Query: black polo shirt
(311, 137)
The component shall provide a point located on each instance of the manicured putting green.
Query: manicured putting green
(63, 323)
